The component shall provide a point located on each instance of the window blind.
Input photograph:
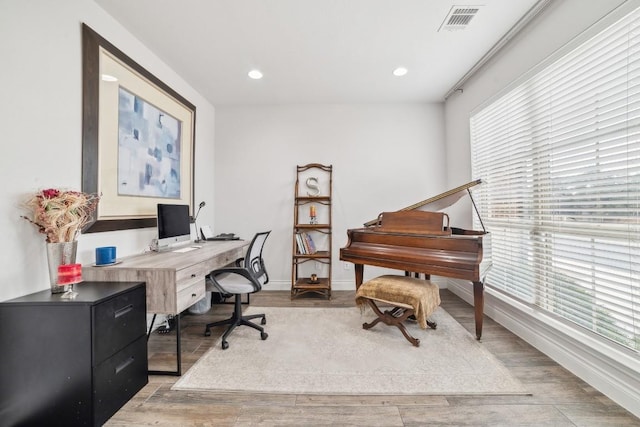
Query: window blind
(560, 157)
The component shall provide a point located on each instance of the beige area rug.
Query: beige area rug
(326, 351)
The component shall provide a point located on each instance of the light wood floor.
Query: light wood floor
(558, 398)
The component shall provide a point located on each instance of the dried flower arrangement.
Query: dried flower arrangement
(61, 214)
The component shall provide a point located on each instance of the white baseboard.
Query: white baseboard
(613, 371)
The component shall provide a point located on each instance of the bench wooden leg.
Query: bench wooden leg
(395, 318)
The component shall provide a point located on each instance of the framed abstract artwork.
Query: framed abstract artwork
(138, 139)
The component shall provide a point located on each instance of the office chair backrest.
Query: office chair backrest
(253, 260)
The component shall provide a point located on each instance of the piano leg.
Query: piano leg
(478, 303)
(359, 269)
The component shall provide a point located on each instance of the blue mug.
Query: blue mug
(105, 255)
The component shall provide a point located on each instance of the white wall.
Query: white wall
(613, 372)
(385, 157)
(41, 123)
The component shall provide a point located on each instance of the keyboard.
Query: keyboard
(187, 249)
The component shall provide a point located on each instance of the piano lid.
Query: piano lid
(442, 201)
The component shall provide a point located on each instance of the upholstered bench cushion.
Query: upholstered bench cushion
(422, 296)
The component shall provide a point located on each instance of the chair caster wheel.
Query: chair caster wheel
(264, 335)
(263, 321)
(207, 333)
(225, 345)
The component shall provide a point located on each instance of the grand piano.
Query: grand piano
(418, 239)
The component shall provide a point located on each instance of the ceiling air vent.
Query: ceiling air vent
(459, 18)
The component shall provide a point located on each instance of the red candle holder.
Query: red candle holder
(69, 275)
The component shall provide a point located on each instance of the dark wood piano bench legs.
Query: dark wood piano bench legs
(395, 317)
(409, 297)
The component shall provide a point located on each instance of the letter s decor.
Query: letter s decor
(312, 183)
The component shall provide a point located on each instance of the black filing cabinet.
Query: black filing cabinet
(72, 362)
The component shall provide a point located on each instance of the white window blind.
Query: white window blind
(560, 157)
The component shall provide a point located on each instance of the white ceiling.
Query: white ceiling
(316, 51)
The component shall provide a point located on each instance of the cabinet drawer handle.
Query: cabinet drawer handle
(124, 364)
(122, 311)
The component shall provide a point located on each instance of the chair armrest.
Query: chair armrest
(215, 287)
(266, 275)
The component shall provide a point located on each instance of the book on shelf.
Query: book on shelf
(300, 243)
(310, 244)
(305, 244)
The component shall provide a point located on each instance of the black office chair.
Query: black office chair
(246, 278)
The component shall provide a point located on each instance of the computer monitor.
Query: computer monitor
(174, 224)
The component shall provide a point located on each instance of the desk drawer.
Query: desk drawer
(225, 259)
(118, 322)
(190, 295)
(191, 272)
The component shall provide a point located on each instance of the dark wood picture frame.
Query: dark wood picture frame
(92, 47)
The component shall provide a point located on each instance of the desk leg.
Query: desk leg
(153, 320)
(178, 371)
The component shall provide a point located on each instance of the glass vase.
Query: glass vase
(58, 254)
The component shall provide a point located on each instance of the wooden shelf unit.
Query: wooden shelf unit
(321, 180)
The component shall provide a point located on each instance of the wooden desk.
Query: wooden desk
(175, 280)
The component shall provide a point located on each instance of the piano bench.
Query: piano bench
(407, 295)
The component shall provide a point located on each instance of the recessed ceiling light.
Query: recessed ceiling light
(109, 78)
(400, 71)
(255, 74)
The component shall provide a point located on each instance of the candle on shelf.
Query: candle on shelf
(312, 210)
